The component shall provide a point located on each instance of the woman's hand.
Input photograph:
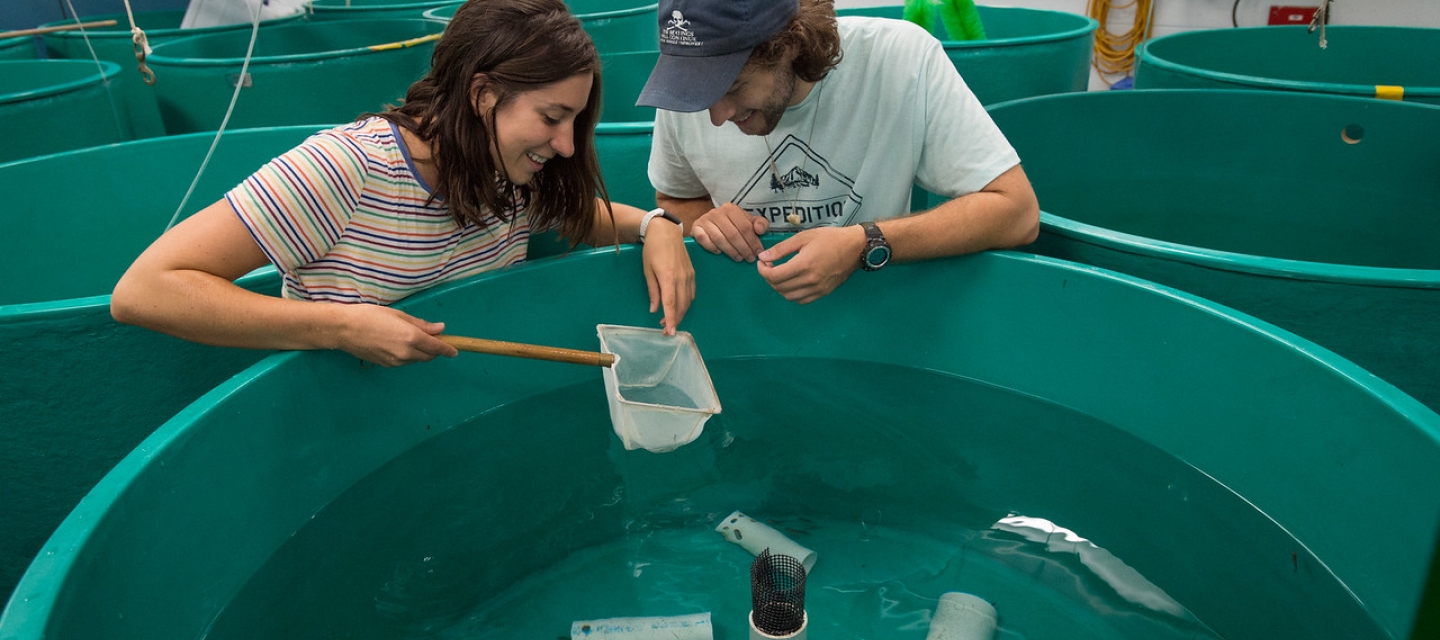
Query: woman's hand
(668, 273)
(388, 337)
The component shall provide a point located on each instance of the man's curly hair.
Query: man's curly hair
(813, 34)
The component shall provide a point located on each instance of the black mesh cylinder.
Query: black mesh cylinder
(777, 594)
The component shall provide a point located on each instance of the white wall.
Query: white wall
(1172, 16)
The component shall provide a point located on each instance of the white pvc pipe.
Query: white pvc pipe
(755, 536)
(689, 627)
(961, 616)
(798, 634)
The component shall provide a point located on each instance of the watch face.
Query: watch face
(876, 256)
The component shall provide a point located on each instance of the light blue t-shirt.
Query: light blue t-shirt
(893, 113)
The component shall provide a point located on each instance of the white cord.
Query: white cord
(104, 81)
(137, 35)
(239, 82)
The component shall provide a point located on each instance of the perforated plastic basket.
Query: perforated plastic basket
(659, 391)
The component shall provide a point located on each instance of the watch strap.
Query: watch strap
(875, 242)
(651, 215)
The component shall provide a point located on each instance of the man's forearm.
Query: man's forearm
(1003, 215)
(687, 209)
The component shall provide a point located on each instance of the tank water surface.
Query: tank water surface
(1070, 527)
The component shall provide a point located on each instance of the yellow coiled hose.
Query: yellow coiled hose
(1115, 52)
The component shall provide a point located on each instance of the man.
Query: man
(774, 115)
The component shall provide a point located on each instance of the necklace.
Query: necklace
(794, 217)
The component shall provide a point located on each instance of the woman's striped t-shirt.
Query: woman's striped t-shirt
(343, 217)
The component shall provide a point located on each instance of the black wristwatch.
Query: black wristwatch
(877, 249)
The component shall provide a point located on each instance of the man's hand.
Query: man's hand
(824, 257)
(730, 230)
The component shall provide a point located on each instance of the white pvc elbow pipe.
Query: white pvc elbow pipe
(961, 616)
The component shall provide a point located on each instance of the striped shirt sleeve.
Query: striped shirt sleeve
(298, 205)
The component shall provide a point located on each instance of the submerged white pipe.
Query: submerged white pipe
(799, 634)
(1125, 580)
(961, 616)
(689, 627)
(755, 536)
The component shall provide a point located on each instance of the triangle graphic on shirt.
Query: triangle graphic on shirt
(802, 183)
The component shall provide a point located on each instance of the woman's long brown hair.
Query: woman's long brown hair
(520, 45)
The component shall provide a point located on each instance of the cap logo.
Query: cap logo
(675, 32)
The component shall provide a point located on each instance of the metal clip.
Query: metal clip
(1321, 17)
(142, 48)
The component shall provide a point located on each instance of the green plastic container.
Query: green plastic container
(330, 71)
(624, 151)
(1314, 212)
(79, 391)
(1027, 52)
(232, 503)
(74, 240)
(1383, 62)
(442, 13)
(376, 9)
(615, 25)
(624, 75)
(115, 44)
(17, 48)
(48, 106)
(619, 25)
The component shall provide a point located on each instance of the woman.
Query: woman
(496, 140)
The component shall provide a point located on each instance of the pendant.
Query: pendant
(793, 218)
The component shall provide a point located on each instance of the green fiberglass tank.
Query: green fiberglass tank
(615, 25)
(1314, 212)
(304, 72)
(376, 9)
(623, 76)
(1099, 456)
(619, 25)
(1027, 52)
(17, 48)
(1397, 63)
(47, 106)
(115, 43)
(79, 390)
(624, 152)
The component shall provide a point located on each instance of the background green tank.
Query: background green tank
(1027, 52)
(210, 506)
(442, 13)
(624, 150)
(17, 48)
(376, 9)
(329, 71)
(1357, 60)
(47, 106)
(115, 44)
(624, 74)
(619, 25)
(1314, 212)
(615, 25)
(79, 391)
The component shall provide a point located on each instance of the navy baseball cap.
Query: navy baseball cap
(703, 46)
